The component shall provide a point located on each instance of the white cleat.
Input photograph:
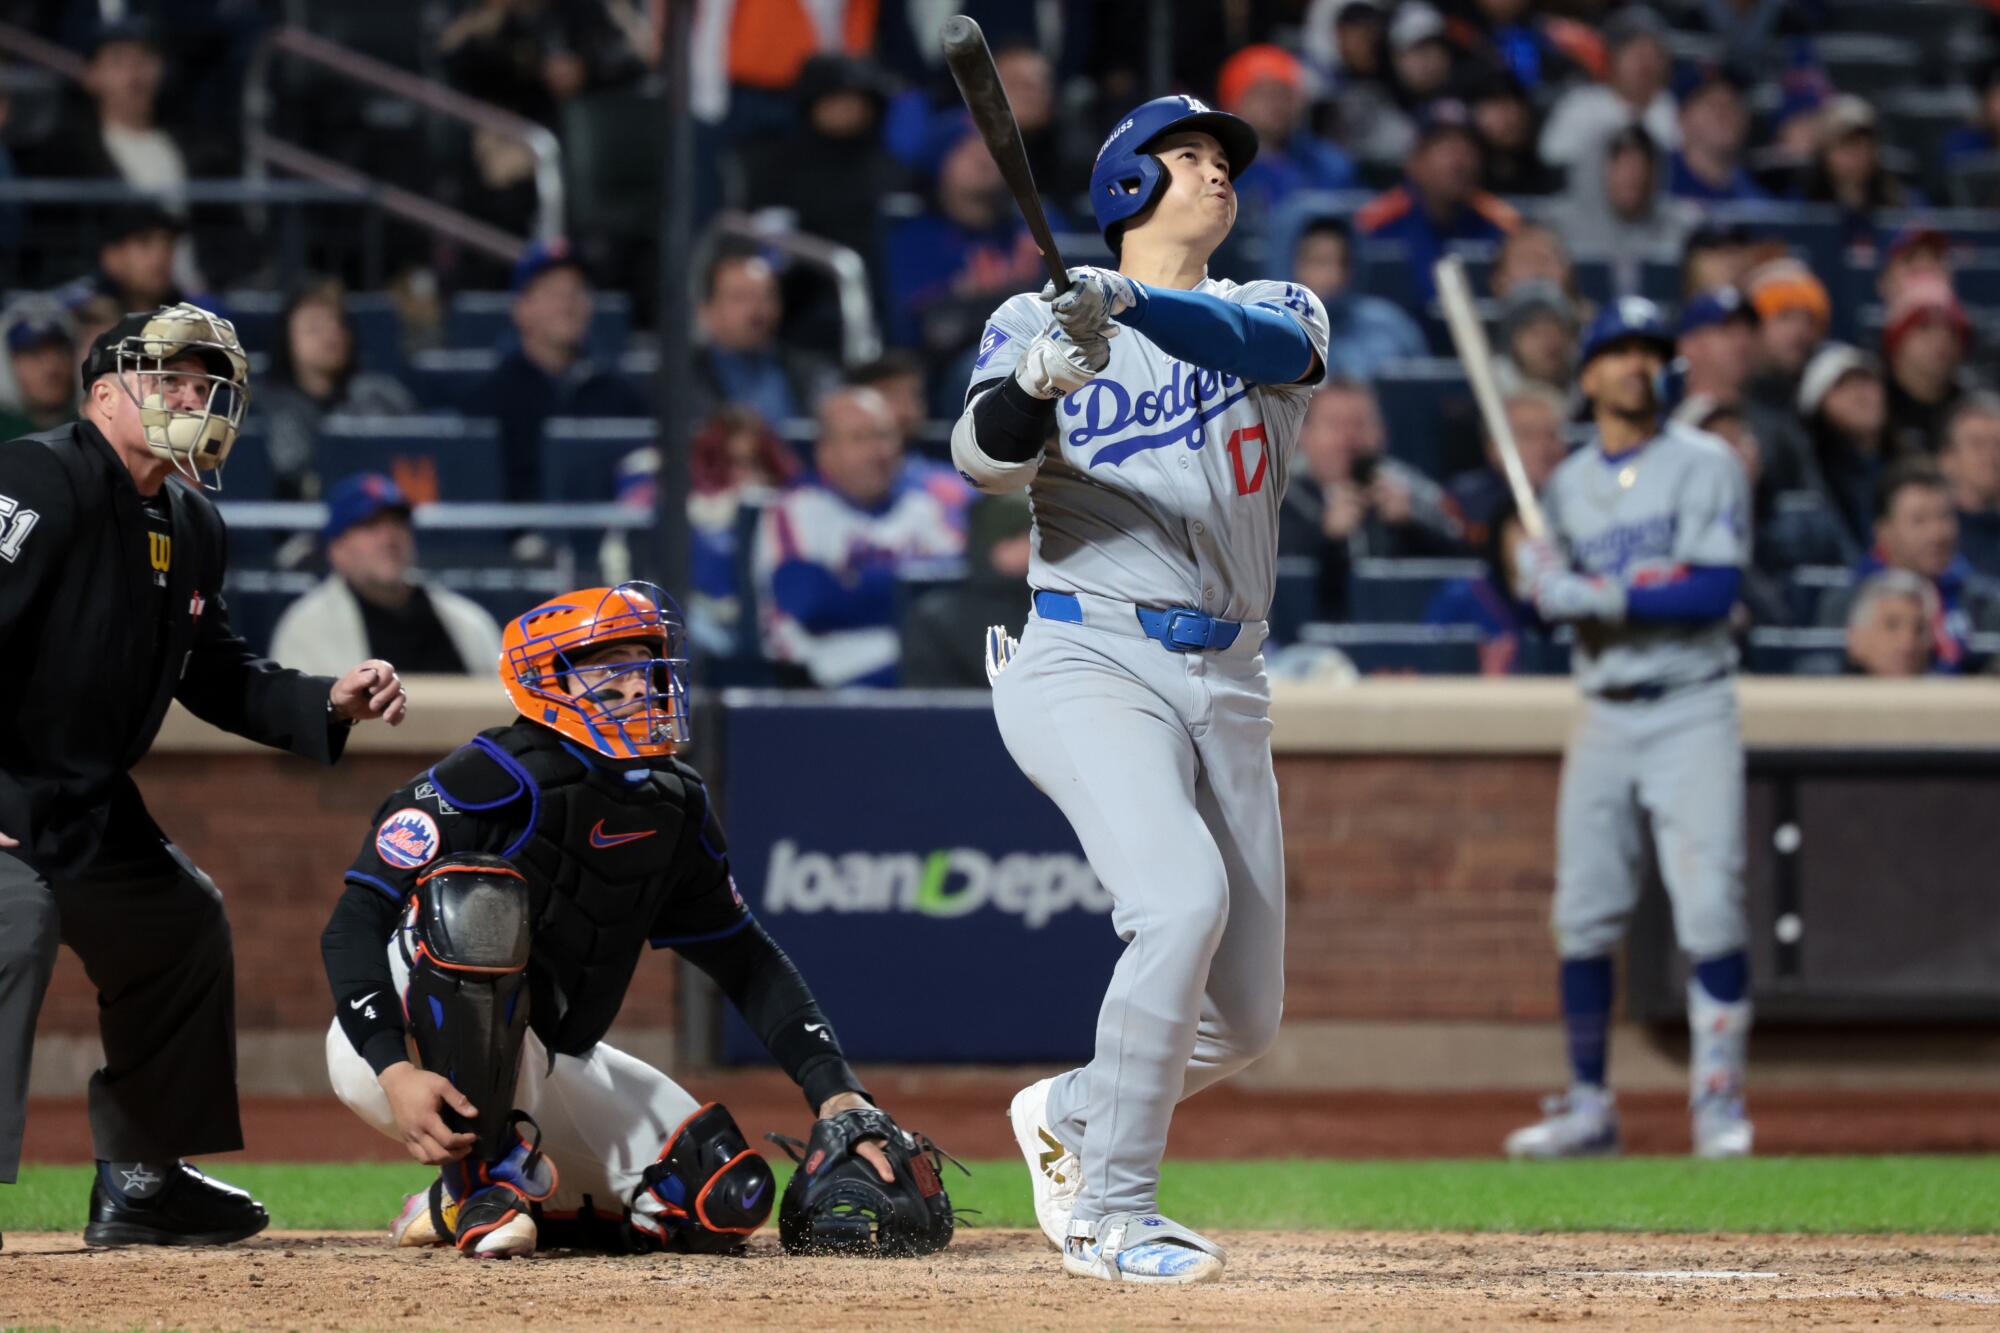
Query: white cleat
(513, 1239)
(1721, 1129)
(413, 1226)
(1053, 1169)
(1582, 1122)
(1140, 1247)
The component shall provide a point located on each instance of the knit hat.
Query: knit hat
(1786, 284)
(1829, 366)
(1924, 298)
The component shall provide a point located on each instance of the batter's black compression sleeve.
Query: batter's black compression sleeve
(766, 988)
(1010, 423)
(355, 948)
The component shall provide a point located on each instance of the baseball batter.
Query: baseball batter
(1649, 534)
(1137, 698)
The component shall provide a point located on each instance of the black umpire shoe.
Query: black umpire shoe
(172, 1205)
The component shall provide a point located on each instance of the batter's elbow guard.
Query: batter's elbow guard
(981, 470)
(708, 1190)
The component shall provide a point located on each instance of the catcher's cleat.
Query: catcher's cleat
(493, 1223)
(1582, 1122)
(1053, 1169)
(1140, 1247)
(1720, 1128)
(415, 1227)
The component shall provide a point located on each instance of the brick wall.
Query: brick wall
(1418, 886)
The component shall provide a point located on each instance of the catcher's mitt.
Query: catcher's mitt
(837, 1204)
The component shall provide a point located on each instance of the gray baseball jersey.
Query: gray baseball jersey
(1681, 499)
(1163, 492)
(1166, 486)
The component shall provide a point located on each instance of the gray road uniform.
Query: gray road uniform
(1658, 743)
(1157, 510)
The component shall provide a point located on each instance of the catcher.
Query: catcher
(514, 885)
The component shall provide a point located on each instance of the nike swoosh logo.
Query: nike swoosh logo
(356, 1004)
(819, 1030)
(754, 1193)
(599, 838)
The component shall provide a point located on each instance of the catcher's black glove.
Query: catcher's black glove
(837, 1204)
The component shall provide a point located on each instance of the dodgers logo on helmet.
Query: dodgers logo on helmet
(407, 839)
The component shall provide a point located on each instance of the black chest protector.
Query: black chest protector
(604, 852)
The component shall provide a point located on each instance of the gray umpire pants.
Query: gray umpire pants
(1162, 763)
(154, 941)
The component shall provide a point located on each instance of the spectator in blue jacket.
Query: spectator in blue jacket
(1265, 85)
(1367, 332)
(1917, 530)
(1970, 462)
(1715, 126)
(1440, 202)
(547, 374)
(1982, 137)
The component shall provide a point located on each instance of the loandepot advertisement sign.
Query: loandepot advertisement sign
(937, 904)
(952, 882)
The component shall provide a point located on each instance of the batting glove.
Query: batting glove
(1055, 364)
(1000, 649)
(1568, 596)
(1094, 298)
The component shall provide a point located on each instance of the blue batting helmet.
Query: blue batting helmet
(1128, 178)
(1627, 319)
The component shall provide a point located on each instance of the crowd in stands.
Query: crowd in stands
(1809, 211)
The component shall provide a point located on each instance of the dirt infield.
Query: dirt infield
(1010, 1280)
(964, 1110)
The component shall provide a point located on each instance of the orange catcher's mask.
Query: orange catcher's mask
(630, 709)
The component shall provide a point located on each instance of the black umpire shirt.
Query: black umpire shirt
(107, 613)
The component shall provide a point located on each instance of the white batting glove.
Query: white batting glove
(1055, 364)
(1000, 649)
(1094, 297)
(1580, 597)
(1536, 559)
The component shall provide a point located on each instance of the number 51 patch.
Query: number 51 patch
(15, 525)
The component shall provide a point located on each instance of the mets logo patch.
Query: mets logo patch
(407, 838)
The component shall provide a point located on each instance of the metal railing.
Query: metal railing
(24, 45)
(264, 150)
(860, 338)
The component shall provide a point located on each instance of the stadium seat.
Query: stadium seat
(443, 377)
(1869, 63)
(433, 457)
(1398, 591)
(580, 455)
(483, 321)
(1292, 601)
(248, 474)
(1795, 652)
(1424, 650)
(1416, 398)
(378, 329)
(1808, 584)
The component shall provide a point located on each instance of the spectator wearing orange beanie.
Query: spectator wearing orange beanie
(1267, 86)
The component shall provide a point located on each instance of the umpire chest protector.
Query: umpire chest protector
(604, 850)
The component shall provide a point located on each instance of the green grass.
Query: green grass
(1948, 1195)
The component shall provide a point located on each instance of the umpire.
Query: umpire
(111, 561)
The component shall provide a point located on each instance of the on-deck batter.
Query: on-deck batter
(1649, 534)
(1137, 699)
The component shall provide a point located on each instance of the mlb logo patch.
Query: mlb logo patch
(407, 839)
(995, 339)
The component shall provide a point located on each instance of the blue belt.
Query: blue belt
(1181, 629)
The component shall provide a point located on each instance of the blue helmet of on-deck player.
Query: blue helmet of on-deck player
(1128, 178)
(1627, 319)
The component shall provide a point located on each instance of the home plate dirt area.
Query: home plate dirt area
(1010, 1279)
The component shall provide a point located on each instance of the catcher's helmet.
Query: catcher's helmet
(1627, 319)
(1128, 178)
(539, 649)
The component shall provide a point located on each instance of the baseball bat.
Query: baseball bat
(971, 63)
(1468, 335)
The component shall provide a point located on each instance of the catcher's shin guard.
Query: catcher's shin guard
(709, 1189)
(466, 942)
